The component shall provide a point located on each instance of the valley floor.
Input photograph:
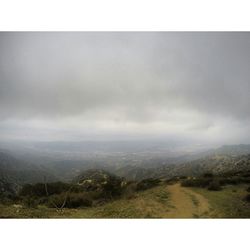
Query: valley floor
(165, 201)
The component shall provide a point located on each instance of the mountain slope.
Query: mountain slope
(233, 150)
(14, 171)
(215, 164)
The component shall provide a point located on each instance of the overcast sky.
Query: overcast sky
(77, 86)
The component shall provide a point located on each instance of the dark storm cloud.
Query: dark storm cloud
(169, 83)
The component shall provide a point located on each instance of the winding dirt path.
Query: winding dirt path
(186, 203)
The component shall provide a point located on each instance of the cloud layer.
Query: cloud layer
(73, 85)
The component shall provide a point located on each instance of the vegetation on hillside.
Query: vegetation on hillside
(215, 182)
(97, 192)
(89, 189)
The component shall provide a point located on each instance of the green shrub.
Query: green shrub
(130, 190)
(183, 177)
(33, 190)
(30, 202)
(247, 198)
(214, 185)
(75, 200)
(147, 183)
(113, 187)
(233, 180)
(247, 174)
(208, 175)
(8, 200)
(71, 200)
(39, 190)
(172, 180)
(196, 182)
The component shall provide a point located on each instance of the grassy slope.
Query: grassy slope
(153, 203)
(147, 204)
(227, 203)
(160, 202)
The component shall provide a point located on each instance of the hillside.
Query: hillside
(233, 150)
(214, 185)
(14, 172)
(164, 201)
(158, 202)
(214, 163)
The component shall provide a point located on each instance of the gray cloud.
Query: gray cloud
(195, 85)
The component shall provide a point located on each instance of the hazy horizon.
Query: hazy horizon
(181, 87)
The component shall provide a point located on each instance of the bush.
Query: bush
(8, 199)
(182, 177)
(113, 187)
(214, 185)
(30, 202)
(130, 190)
(246, 174)
(71, 200)
(78, 200)
(248, 189)
(208, 175)
(233, 180)
(33, 190)
(39, 190)
(198, 182)
(147, 183)
(247, 198)
(172, 180)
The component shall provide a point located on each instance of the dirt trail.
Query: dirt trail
(186, 203)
